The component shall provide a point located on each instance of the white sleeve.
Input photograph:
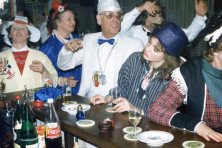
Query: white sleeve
(128, 20)
(197, 25)
(69, 60)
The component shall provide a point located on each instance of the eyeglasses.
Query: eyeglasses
(16, 28)
(110, 15)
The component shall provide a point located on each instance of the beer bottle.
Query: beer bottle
(52, 127)
(28, 134)
(18, 122)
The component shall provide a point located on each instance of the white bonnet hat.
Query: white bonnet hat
(108, 5)
(35, 33)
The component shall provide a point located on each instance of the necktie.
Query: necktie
(110, 41)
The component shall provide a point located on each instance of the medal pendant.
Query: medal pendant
(96, 79)
(102, 79)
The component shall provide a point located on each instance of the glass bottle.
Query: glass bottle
(53, 136)
(80, 114)
(28, 134)
(18, 122)
(6, 126)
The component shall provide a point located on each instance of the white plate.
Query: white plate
(155, 138)
(130, 130)
(72, 108)
(85, 123)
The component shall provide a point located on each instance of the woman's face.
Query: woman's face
(66, 22)
(19, 33)
(153, 52)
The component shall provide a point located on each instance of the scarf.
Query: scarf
(213, 79)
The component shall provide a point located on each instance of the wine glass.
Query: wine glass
(3, 63)
(135, 117)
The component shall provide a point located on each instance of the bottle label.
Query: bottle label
(32, 146)
(53, 132)
(17, 129)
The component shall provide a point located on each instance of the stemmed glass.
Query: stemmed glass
(135, 117)
(3, 63)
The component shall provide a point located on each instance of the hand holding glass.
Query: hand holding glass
(3, 63)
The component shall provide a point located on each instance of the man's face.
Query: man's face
(19, 33)
(110, 23)
(154, 20)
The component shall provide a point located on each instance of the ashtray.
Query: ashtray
(105, 126)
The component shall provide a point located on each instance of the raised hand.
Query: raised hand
(150, 7)
(201, 7)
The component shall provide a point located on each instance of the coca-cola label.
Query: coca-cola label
(52, 133)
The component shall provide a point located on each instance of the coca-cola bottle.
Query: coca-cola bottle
(18, 122)
(53, 136)
(28, 134)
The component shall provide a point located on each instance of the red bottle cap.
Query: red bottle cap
(17, 97)
(38, 103)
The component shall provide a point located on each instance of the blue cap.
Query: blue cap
(172, 37)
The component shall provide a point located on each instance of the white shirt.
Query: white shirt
(192, 31)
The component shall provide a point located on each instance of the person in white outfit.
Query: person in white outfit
(101, 54)
(152, 15)
(23, 65)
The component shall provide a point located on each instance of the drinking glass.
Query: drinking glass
(3, 63)
(135, 117)
(115, 93)
(66, 91)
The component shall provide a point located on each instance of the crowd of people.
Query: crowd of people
(142, 62)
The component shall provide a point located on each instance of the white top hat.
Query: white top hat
(35, 33)
(108, 5)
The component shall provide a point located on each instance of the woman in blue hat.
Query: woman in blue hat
(145, 74)
(196, 86)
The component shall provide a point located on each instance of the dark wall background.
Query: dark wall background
(181, 12)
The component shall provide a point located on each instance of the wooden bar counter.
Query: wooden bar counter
(115, 138)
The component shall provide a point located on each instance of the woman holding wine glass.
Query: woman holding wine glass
(145, 74)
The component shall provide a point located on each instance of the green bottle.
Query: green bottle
(28, 134)
(18, 122)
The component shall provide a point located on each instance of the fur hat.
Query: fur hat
(35, 33)
(108, 5)
(172, 38)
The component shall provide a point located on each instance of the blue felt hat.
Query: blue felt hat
(172, 38)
